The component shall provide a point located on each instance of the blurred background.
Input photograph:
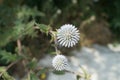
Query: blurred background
(97, 20)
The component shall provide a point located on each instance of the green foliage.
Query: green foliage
(5, 36)
(8, 57)
(26, 19)
(43, 28)
(25, 12)
(2, 69)
(22, 29)
(59, 72)
(33, 76)
(7, 12)
(110, 9)
(32, 64)
(22, 24)
(5, 75)
(115, 22)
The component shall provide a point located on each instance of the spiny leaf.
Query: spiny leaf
(6, 76)
(5, 36)
(9, 57)
(59, 72)
(25, 12)
(22, 29)
(32, 64)
(33, 76)
(44, 28)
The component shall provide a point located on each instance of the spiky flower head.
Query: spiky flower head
(60, 62)
(68, 35)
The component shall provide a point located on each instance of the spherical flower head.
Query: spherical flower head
(68, 35)
(60, 62)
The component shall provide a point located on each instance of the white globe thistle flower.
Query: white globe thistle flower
(68, 35)
(60, 62)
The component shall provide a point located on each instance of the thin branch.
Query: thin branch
(20, 52)
(55, 42)
(19, 47)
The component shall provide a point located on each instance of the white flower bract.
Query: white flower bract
(60, 62)
(68, 35)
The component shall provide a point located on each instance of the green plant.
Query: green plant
(68, 37)
(24, 37)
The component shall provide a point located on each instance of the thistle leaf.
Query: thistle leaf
(44, 28)
(33, 76)
(8, 57)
